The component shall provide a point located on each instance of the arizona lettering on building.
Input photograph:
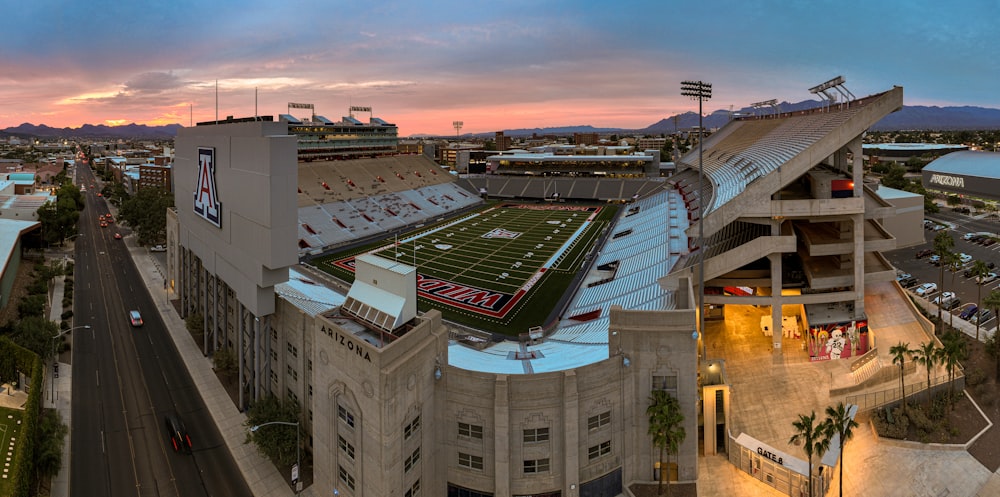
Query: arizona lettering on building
(945, 180)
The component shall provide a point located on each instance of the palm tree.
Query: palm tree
(943, 243)
(993, 349)
(899, 353)
(666, 427)
(954, 264)
(952, 351)
(992, 301)
(926, 356)
(979, 270)
(839, 421)
(815, 439)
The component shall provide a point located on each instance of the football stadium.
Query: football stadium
(481, 336)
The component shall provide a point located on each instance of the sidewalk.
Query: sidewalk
(60, 397)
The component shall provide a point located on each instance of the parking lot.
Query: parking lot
(965, 288)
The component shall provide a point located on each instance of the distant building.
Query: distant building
(322, 139)
(155, 176)
(585, 138)
(503, 142)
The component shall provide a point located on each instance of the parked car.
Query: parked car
(964, 258)
(990, 277)
(924, 253)
(981, 317)
(989, 241)
(926, 289)
(908, 282)
(949, 304)
(944, 297)
(935, 259)
(158, 248)
(969, 236)
(903, 276)
(968, 312)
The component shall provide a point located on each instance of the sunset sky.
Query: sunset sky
(494, 65)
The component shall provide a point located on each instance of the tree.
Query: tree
(979, 271)
(926, 356)
(815, 439)
(839, 420)
(992, 301)
(35, 334)
(899, 353)
(952, 352)
(49, 445)
(146, 214)
(894, 178)
(274, 441)
(667, 429)
(993, 349)
(943, 244)
(954, 264)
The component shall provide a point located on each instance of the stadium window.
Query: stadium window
(345, 416)
(536, 466)
(345, 447)
(292, 372)
(532, 435)
(414, 490)
(345, 477)
(667, 383)
(466, 430)
(470, 461)
(410, 429)
(292, 349)
(597, 422)
(600, 450)
(411, 461)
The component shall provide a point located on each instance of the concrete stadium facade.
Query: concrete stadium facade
(389, 413)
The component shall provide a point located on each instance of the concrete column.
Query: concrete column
(859, 264)
(776, 299)
(571, 433)
(501, 436)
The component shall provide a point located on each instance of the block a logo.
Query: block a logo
(206, 196)
(502, 233)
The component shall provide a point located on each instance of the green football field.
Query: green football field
(501, 268)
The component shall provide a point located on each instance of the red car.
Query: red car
(104, 225)
(118, 236)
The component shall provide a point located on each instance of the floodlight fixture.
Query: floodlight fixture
(701, 91)
(836, 84)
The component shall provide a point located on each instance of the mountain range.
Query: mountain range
(910, 117)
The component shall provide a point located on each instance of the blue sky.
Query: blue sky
(493, 65)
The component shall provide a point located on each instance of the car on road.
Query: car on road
(135, 318)
(180, 439)
(926, 289)
(981, 317)
(118, 236)
(969, 311)
(944, 297)
(104, 224)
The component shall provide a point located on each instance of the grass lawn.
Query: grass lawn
(10, 430)
(502, 268)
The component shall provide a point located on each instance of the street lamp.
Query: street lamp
(296, 477)
(54, 362)
(701, 91)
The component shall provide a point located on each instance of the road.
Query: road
(965, 288)
(125, 379)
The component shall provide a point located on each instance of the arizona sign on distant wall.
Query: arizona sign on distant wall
(206, 196)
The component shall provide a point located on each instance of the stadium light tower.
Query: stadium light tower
(701, 91)
(458, 127)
